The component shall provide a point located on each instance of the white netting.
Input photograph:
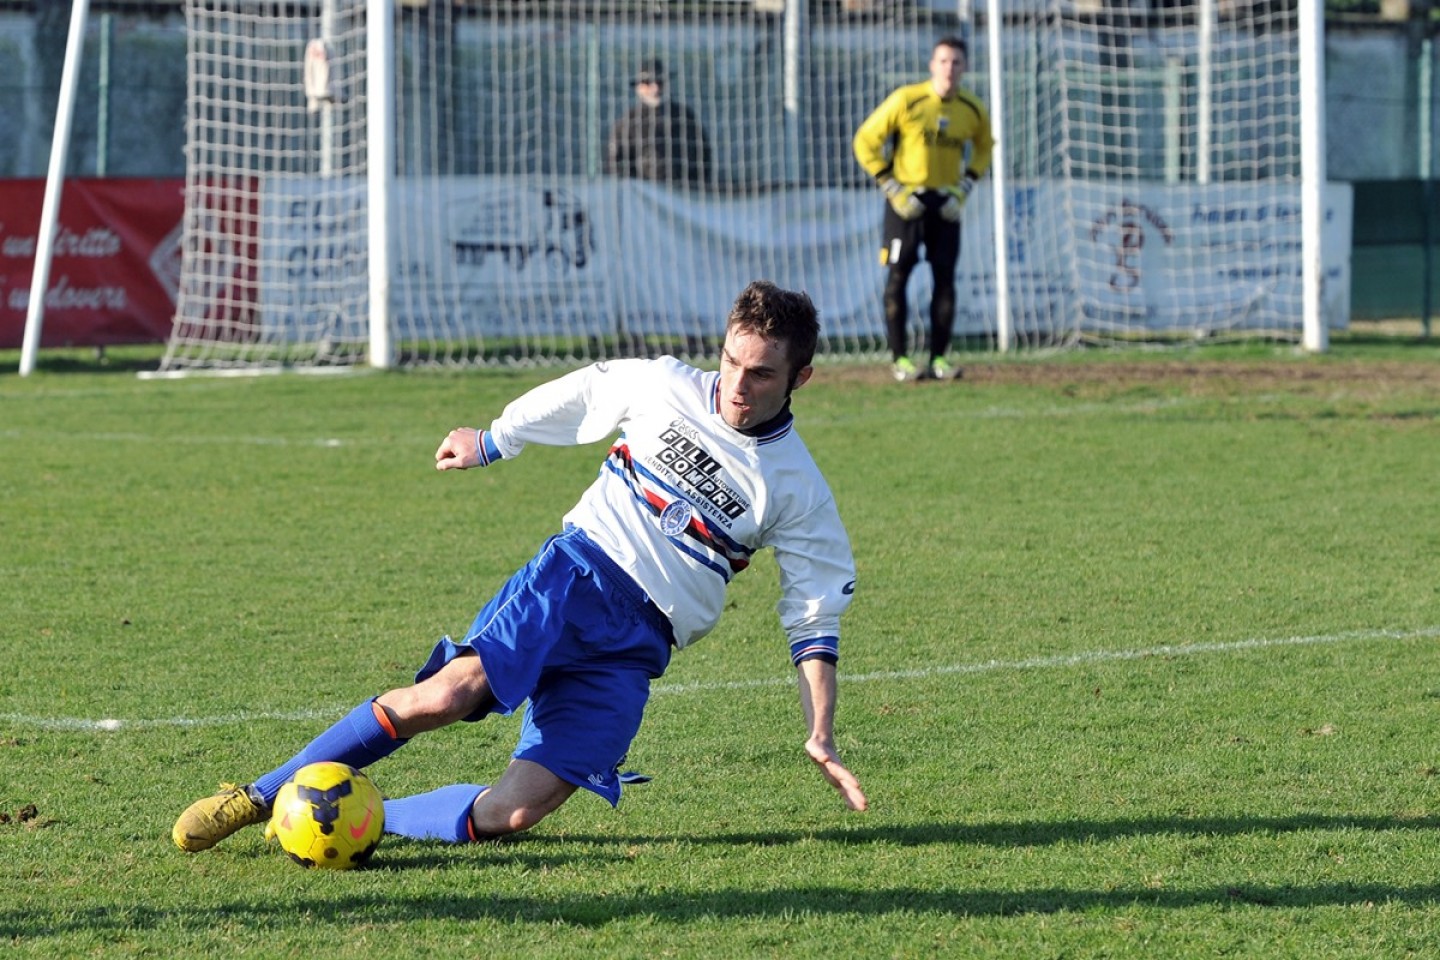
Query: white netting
(274, 253)
(1173, 147)
(510, 241)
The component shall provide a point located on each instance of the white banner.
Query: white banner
(687, 256)
(503, 258)
(491, 257)
(1222, 257)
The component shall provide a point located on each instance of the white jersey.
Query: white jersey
(684, 500)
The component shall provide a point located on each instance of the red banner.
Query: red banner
(116, 264)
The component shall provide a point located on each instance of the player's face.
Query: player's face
(947, 66)
(755, 379)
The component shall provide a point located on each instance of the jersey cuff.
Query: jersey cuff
(819, 648)
(486, 448)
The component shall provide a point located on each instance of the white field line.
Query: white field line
(1071, 660)
(671, 689)
(111, 723)
(186, 439)
(985, 413)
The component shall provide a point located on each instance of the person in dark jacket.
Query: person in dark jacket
(658, 139)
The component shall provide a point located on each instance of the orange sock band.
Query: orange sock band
(384, 719)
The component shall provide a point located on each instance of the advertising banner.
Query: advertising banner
(491, 257)
(116, 265)
(625, 256)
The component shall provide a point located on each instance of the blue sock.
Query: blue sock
(442, 814)
(358, 739)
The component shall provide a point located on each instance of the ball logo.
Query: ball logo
(325, 804)
(675, 518)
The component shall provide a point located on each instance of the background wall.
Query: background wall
(1381, 88)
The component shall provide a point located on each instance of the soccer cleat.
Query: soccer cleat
(206, 822)
(905, 370)
(941, 369)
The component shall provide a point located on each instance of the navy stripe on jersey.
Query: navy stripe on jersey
(721, 554)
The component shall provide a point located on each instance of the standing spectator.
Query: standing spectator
(658, 139)
(915, 146)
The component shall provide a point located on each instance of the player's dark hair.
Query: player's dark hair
(957, 43)
(785, 316)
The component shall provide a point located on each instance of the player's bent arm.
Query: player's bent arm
(581, 407)
(871, 137)
(817, 700)
(983, 144)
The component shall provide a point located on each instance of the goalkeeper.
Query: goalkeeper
(707, 470)
(915, 146)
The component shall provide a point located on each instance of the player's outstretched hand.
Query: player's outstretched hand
(840, 778)
(459, 450)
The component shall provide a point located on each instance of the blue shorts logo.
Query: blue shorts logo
(675, 518)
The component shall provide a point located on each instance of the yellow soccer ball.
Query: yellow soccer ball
(330, 816)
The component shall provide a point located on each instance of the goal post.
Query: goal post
(455, 202)
(380, 178)
(54, 187)
(1315, 335)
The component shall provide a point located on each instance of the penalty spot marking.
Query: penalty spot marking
(111, 724)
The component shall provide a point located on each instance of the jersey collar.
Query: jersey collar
(767, 432)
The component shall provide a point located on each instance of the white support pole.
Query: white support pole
(797, 59)
(1315, 336)
(1204, 91)
(380, 170)
(54, 184)
(1173, 97)
(327, 107)
(999, 189)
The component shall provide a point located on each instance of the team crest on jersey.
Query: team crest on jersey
(675, 518)
(944, 122)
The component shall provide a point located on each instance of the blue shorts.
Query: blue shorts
(576, 636)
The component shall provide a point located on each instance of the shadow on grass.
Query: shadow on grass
(584, 909)
(1038, 834)
(70, 360)
(589, 910)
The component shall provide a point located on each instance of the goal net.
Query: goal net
(1149, 176)
(1155, 159)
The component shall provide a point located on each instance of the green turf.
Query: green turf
(1139, 666)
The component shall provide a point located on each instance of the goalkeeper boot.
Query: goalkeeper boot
(942, 369)
(206, 822)
(905, 370)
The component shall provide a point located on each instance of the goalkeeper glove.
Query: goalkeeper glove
(902, 198)
(954, 204)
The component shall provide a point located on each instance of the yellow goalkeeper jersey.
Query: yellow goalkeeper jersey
(919, 139)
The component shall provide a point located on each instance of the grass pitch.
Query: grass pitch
(1142, 663)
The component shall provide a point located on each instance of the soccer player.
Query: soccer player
(708, 468)
(914, 145)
